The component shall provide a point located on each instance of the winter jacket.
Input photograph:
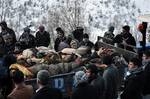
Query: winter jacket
(99, 85)
(3, 69)
(109, 35)
(87, 44)
(43, 39)
(146, 89)
(85, 91)
(11, 32)
(128, 38)
(57, 42)
(131, 41)
(133, 85)
(111, 77)
(27, 40)
(48, 93)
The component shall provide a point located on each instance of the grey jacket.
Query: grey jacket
(111, 78)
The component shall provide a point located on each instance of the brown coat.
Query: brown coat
(21, 92)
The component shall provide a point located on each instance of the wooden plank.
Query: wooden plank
(127, 54)
(127, 45)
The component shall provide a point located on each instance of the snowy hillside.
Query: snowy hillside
(94, 15)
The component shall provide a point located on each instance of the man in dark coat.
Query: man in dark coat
(86, 42)
(133, 80)
(44, 91)
(60, 37)
(9, 46)
(84, 91)
(6, 30)
(78, 33)
(111, 78)
(96, 80)
(7, 85)
(8, 36)
(42, 37)
(125, 37)
(109, 34)
(146, 66)
(27, 40)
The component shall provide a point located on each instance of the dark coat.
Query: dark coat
(99, 85)
(110, 36)
(111, 78)
(78, 35)
(2, 42)
(87, 43)
(43, 39)
(27, 40)
(11, 32)
(128, 38)
(131, 41)
(57, 42)
(118, 39)
(133, 86)
(85, 91)
(9, 49)
(146, 89)
(48, 93)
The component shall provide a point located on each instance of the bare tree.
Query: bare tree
(67, 15)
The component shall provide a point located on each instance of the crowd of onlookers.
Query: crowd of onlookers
(100, 73)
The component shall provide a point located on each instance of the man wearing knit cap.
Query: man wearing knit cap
(44, 91)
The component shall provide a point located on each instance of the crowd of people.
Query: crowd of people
(100, 73)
